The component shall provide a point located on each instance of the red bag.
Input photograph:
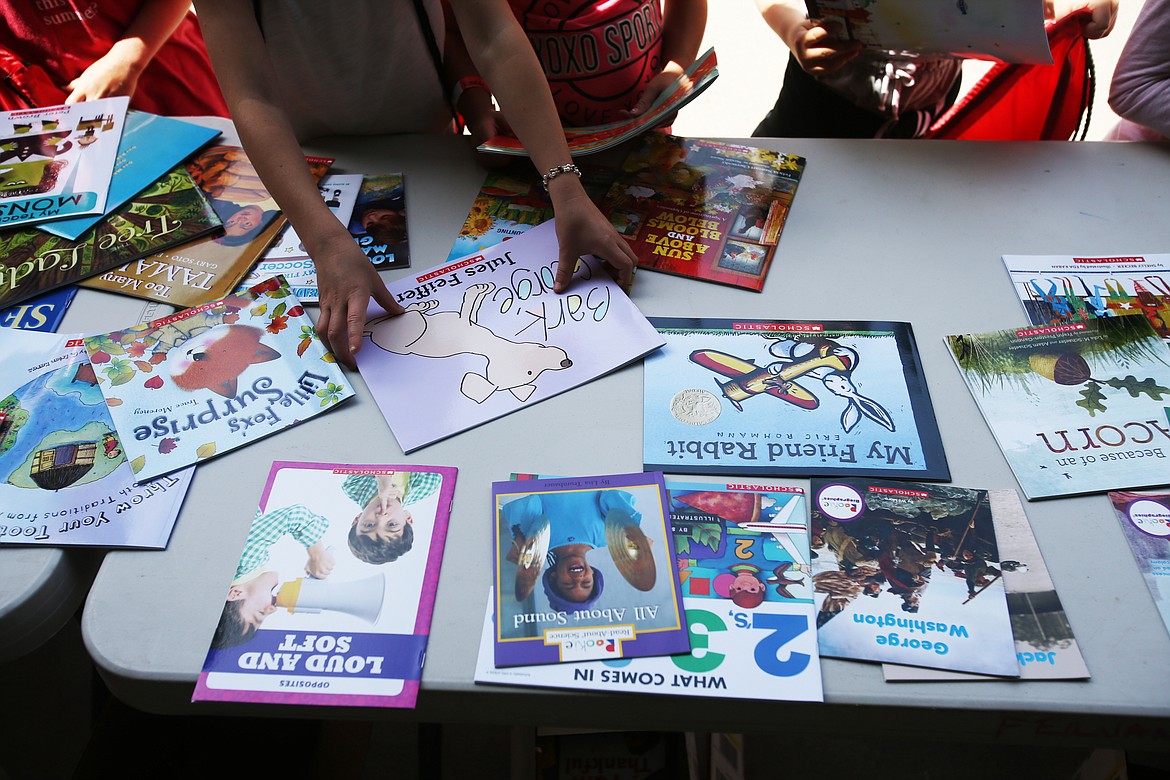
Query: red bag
(23, 85)
(1014, 102)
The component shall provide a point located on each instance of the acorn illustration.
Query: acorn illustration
(1067, 368)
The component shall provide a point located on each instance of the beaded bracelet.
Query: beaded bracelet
(557, 171)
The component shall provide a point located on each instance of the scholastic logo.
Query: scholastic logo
(765, 488)
(74, 343)
(1096, 260)
(899, 492)
(1023, 334)
(780, 327)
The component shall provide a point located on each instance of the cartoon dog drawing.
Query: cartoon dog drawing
(512, 366)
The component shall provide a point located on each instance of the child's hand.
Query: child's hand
(819, 52)
(664, 81)
(1097, 24)
(320, 563)
(583, 230)
(113, 74)
(346, 280)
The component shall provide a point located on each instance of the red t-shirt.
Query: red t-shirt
(67, 36)
(597, 56)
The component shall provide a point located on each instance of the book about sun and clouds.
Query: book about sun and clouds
(742, 552)
(583, 570)
(787, 397)
(166, 213)
(1076, 408)
(150, 146)
(909, 573)
(57, 161)
(212, 378)
(1046, 648)
(1063, 289)
(703, 209)
(1145, 520)
(64, 476)
(332, 598)
(485, 336)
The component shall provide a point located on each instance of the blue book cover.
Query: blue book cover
(151, 145)
(795, 398)
(43, 313)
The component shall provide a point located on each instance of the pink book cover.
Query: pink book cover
(331, 601)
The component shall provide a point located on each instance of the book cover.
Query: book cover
(150, 146)
(331, 601)
(56, 161)
(786, 397)
(215, 377)
(378, 222)
(703, 209)
(1145, 520)
(1001, 30)
(43, 313)
(742, 552)
(485, 336)
(911, 574)
(512, 201)
(583, 570)
(169, 212)
(595, 138)
(196, 272)
(1061, 289)
(64, 479)
(1046, 648)
(1075, 408)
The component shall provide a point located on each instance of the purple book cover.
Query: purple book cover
(332, 597)
(584, 570)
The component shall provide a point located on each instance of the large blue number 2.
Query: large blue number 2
(784, 629)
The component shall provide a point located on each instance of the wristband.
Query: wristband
(557, 171)
(466, 83)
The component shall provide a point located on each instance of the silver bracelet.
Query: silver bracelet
(557, 171)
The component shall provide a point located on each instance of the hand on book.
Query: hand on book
(583, 230)
(109, 76)
(666, 80)
(818, 50)
(346, 280)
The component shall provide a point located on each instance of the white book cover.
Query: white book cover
(485, 335)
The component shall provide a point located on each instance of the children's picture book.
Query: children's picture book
(1145, 521)
(56, 161)
(169, 212)
(1001, 30)
(1077, 408)
(703, 209)
(1061, 289)
(911, 574)
(150, 146)
(43, 313)
(1046, 648)
(485, 336)
(595, 138)
(209, 379)
(742, 552)
(197, 272)
(583, 570)
(512, 201)
(378, 221)
(332, 598)
(340, 192)
(64, 478)
(787, 397)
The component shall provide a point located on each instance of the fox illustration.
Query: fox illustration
(214, 359)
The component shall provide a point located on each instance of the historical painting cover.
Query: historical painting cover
(1145, 521)
(742, 552)
(787, 397)
(909, 573)
(151, 145)
(1076, 408)
(209, 269)
(1046, 648)
(583, 570)
(378, 221)
(1062, 289)
(208, 379)
(485, 336)
(57, 161)
(704, 209)
(64, 477)
(332, 598)
(169, 212)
